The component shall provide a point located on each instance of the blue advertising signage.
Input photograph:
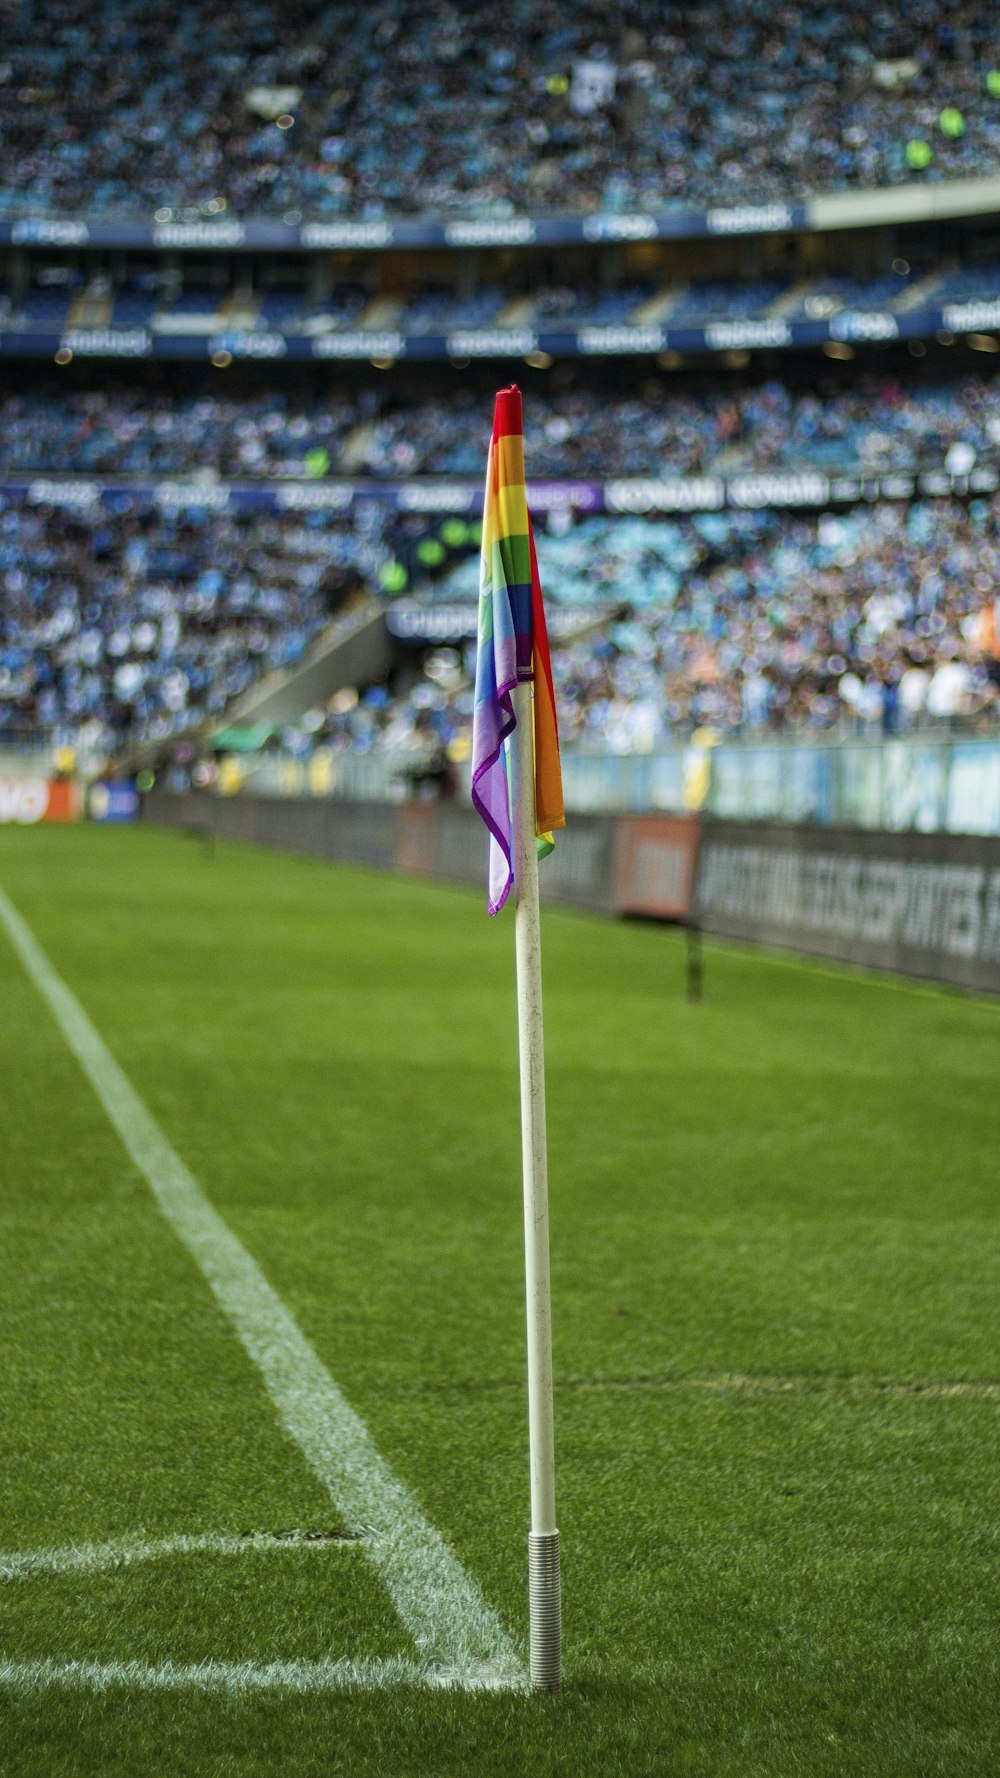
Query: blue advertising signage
(112, 801)
(636, 495)
(354, 234)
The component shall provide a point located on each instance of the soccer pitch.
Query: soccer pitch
(264, 1467)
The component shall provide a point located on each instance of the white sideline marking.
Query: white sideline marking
(235, 1677)
(439, 1603)
(124, 1552)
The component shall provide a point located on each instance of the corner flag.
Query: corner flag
(515, 708)
(513, 650)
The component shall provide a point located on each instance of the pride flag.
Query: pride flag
(513, 648)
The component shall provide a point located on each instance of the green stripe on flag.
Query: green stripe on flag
(511, 563)
(485, 617)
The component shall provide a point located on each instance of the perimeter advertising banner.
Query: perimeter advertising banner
(923, 904)
(359, 345)
(458, 496)
(655, 861)
(113, 801)
(356, 234)
(446, 841)
(24, 801)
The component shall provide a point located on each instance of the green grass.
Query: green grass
(775, 1275)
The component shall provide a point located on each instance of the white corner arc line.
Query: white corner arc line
(440, 1605)
(235, 1678)
(125, 1552)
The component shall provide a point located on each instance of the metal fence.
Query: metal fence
(919, 783)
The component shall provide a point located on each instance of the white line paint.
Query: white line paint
(125, 1552)
(439, 1603)
(235, 1678)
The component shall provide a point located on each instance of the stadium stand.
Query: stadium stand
(622, 425)
(329, 110)
(148, 622)
(138, 623)
(860, 597)
(873, 620)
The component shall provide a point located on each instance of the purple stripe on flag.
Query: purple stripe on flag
(504, 657)
(493, 721)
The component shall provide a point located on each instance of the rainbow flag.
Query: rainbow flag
(513, 648)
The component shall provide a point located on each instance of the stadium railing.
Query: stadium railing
(928, 781)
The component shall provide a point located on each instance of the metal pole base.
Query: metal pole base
(545, 1615)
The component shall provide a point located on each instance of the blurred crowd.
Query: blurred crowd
(882, 620)
(656, 430)
(647, 428)
(327, 109)
(127, 623)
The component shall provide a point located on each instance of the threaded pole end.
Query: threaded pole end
(545, 1611)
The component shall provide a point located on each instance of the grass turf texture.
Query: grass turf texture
(774, 1258)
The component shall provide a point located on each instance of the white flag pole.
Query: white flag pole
(543, 1540)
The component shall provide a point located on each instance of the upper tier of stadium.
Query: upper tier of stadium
(57, 295)
(519, 106)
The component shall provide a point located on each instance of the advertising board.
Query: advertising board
(922, 904)
(24, 801)
(654, 865)
(112, 802)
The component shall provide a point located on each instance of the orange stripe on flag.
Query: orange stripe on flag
(550, 812)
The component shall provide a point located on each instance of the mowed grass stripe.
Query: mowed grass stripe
(437, 1600)
(733, 1383)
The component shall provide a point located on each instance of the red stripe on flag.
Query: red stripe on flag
(549, 808)
(507, 416)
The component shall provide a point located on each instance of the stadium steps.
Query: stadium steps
(239, 310)
(920, 294)
(354, 450)
(354, 648)
(382, 311)
(91, 308)
(656, 308)
(519, 312)
(789, 300)
(235, 310)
